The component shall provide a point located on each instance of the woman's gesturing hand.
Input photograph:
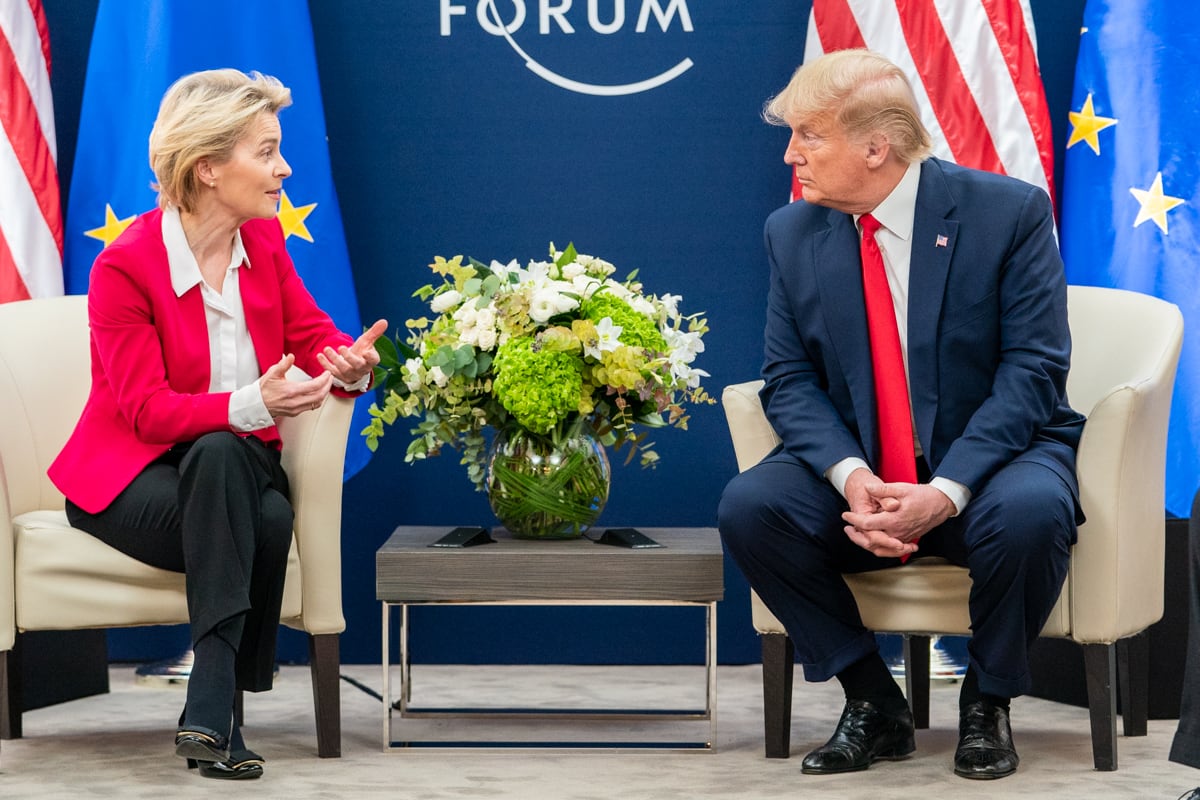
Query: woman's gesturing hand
(284, 398)
(350, 364)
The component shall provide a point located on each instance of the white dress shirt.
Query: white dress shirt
(233, 362)
(895, 215)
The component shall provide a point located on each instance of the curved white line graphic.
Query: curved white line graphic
(563, 82)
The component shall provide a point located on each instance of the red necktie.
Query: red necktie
(897, 462)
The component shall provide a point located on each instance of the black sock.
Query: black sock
(869, 679)
(970, 692)
(210, 687)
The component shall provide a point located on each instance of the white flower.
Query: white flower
(538, 272)
(683, 345)
(440, 378)
(693, 377)
(505, 270)
(608, 338)
(585, 286)
(572, 270)
(670, 304)
(549, 301)
(609, 335)
(445, 301)
(642, 306)
(486, 339)
(465, 316)
(414, 370)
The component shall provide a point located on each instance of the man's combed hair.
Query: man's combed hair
(863, 92)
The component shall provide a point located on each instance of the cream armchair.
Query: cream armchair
(1125, 350)
(54, 577)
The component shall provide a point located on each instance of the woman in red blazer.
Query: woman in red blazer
(196, 315)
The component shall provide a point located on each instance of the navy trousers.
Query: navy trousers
(782, 525)
(216, 509)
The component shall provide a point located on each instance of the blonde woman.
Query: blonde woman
(196, 316)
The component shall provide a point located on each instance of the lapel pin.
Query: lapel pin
(942, 241)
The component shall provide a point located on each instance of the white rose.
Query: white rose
(544, 304)
(412, 370)
(444, 301)
(440, 378)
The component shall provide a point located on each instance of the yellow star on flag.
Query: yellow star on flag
(1155, 204)
(112, 227)
(292, 218)
(1087, 125)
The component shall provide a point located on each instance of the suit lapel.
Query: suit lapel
(839, 281)
(935, 232)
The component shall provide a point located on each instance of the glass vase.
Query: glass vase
(542, 489)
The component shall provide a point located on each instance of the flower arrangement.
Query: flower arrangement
(548, 350)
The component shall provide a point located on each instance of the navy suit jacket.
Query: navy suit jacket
(988, 343)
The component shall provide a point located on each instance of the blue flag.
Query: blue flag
(1131, 189)
(141, 47)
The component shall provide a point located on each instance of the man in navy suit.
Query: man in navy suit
(977, 286)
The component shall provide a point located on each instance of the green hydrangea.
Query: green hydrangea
(637, 330)
(538, 386)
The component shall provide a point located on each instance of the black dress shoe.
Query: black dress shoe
(201, 744)
(865, 734)
(985, 747)
(241, 765)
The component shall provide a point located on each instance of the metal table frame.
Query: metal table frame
(403, 705)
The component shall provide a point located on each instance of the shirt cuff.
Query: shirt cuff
(959, 495)
(840, 472)
(247, 411)
(359, 385)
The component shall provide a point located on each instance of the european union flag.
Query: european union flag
(139, 48)
(1131, 190)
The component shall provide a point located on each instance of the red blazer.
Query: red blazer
(150, 355)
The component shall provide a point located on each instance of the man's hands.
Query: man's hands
(350, 364)
(888, 518)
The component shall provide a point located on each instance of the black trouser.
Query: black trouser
(216, 509)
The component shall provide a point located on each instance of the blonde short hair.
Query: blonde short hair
(864, 92)
(204, 115)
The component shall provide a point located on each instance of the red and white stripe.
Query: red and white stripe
(31, 226)
(973, 65)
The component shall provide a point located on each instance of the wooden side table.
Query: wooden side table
(687, 571)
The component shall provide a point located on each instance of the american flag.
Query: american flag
(973, 65)
(31, 230)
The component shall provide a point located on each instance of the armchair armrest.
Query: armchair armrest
(753, 437)
(314, 451)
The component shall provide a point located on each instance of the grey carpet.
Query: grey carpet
(119, 745)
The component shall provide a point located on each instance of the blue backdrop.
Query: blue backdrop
(443, 141)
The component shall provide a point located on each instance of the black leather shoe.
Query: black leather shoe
(985, 747)
(201, 744)
(242, 765)
(865, 734)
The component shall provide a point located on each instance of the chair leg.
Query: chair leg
(1133, 672)
(916, 677)
(1100, 666)
(325, 663)
(12, 700)
(778, 658)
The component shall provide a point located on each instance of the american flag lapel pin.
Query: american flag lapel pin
(942, 241)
